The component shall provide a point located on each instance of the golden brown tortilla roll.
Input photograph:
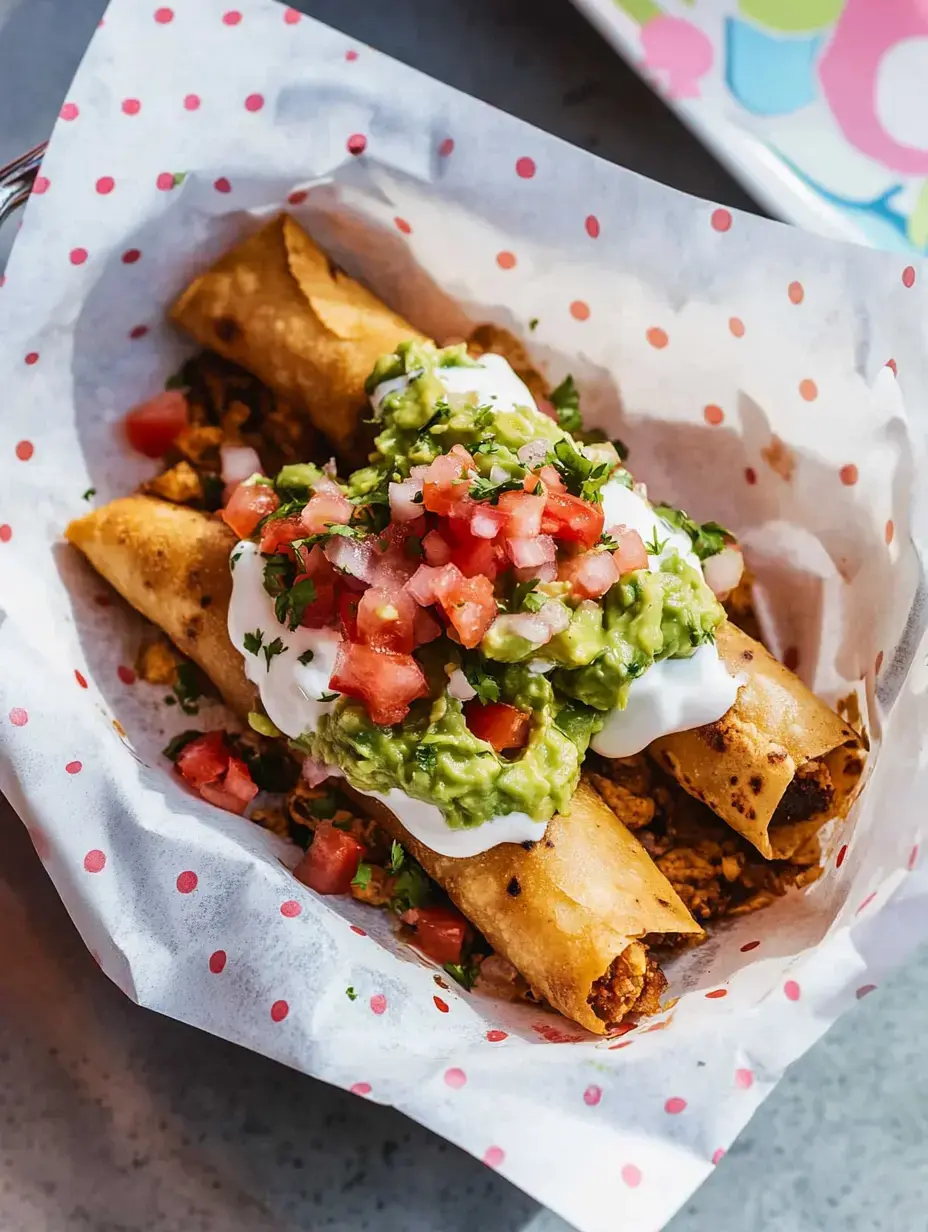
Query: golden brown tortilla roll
(172, 564)
(778, 765)
(568, 913)
(277, 306)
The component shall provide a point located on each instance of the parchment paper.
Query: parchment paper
(757, 375)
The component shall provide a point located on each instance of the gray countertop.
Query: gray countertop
(117, 1120)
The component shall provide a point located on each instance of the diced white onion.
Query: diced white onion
(523, 624)
(529, 552)
(723, 571)
(239, 462)
(404, 505)
(352, 556)
(460, 687)
(315, 772)
(555, 615)
(533, 453)
(498, 474)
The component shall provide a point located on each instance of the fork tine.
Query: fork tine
(24, 167)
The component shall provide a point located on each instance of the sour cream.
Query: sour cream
(427, 823)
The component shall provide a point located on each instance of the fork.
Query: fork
(16, 180)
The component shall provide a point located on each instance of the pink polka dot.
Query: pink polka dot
(351, 55)
(913, 858)
(131, 106)
(675, 1105)
(222, 185)
(750, 475)
(792, 991)
(718, 1155)
(19, 717)
(291, 16)
(446, 147)
(864, 991)
(506, 260)
(493, 1156)
(41, 185)
(32, 358)
(525, 168)
(891, 364)
(795, 292)
(744, 1079)
(6, 532)
(165, 181)
(138, 331)
(78, 256)
(164, 16)
(496, 1036)
(94, 861)
(716, 994)
(70, 111)
(24, 450)
(849, 475)
(80, 678)
(192, 102)
(720, 220)
(187, 882)
(359, 931)
(356, 143)
(378, 1003)
(105, 185)
(455, 1078)
(74, 767)
(908, 276)
(130, 256)
(592, 226)
(631, 1175)
(291, 908)
(217, 961)
(579, 310)
(592, 1095)
(298, 197)
(279, 1011)
(360, 1088)
(125, 674)
(441, 1006)
(254, 102)
(841, 856)
(866, 903)
(402, 225)
(232, 18)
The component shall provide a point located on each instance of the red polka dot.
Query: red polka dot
(891, 363)
(849, 475)
(750, 475)
(402, 225)
(913, 858)
(130, 256)
(792, 991)
(592, 1095)
(748, 946)
(70, 111)
(138, 331)
(356, 143)
(105, 185)
(378, 1003)
(254, 102)
(716, 994)
(446, 147)
(222, 185)
(291, 908)
(24, 450)
(592, 226)
(795, 292)
(721, 220)
(657, 337)
(131, 106)
(496, 1036)
(525, 168)
(163, 16)
(455, 1078)
(291, 17)
(736, 325)
(279, 1011)
(298, 197)
(41, 185)
(841, 855)
(675, 1105)
(878, 663)
(713, 414)
(94, 861)
(19, 717)
(506, 260)
(808, 390)
(125, 674)
(580, 310)
(165, 181)
(359, 931)
(744, 1079)
(718, 1155)
(864, 991)
(80, 678)
(74, 767)
(6, 532)
(32, 358)
(78, 256)
(791, 657)
(232, 18)
(192, 102)
(217, 961)
(908, 276)
(441, 1006)
(493, 1156)
(360, 1088)
(351, 55)
(186, 882)
(631, 1175)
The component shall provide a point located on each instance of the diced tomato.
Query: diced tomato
(470, 606)
(440, 932)
(425, 628)
(238, 781)
(571, 519)
(385, 620)
(386, 683)
(551, 479)
(248, 504)
(590, 574)
(215, 794)
(204, 760)
(501, 725)
(279, 533)
(445, 486)
(153, 426)
(475, 557)
(429, 583)
(523, 514)
(631, 553)
(435, 549)
(348, 614)
(331, 862)
(326, 509)
(486, 520)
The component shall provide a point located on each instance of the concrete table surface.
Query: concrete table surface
(113, 1119)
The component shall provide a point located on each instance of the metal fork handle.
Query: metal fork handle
(17, 179)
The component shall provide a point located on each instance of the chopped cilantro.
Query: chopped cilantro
(708, 539)
(607, 541)
(533, 323)
(234, 558)
(655, 546)
(566, 401)
(276, 572)
(362, 878)
(187, 687)
(413, 548)
(525, 597)
(285, 509)
(273, 648)
(410, 889)
(426, 756)
(174, 747)
(351, 994)
(480, 680)
(491, 490)
(322, 807)
(89, 494)
(328, 697)
(307, 657)
(290, 605)
(465, 973)
(253, 641)
(397, 856)
(582, 476)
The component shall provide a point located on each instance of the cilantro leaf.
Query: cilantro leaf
(708, 539)
(307, 657)
(175, 747)
(533, 323)
(426, 757)
(397, 856)
(491, 490)
(525, 597)
(89, 494)
(253, 641)
(410, 889)
(187, 688)
(234, 558)
(582, 476)
(566, 401)
(485, 686)
(273, 648)
(362, 878)
(465, 973)
(276, 573)
(329, 697)
(655, 546)
(351, 994)
(284, 510)
(290, 605)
